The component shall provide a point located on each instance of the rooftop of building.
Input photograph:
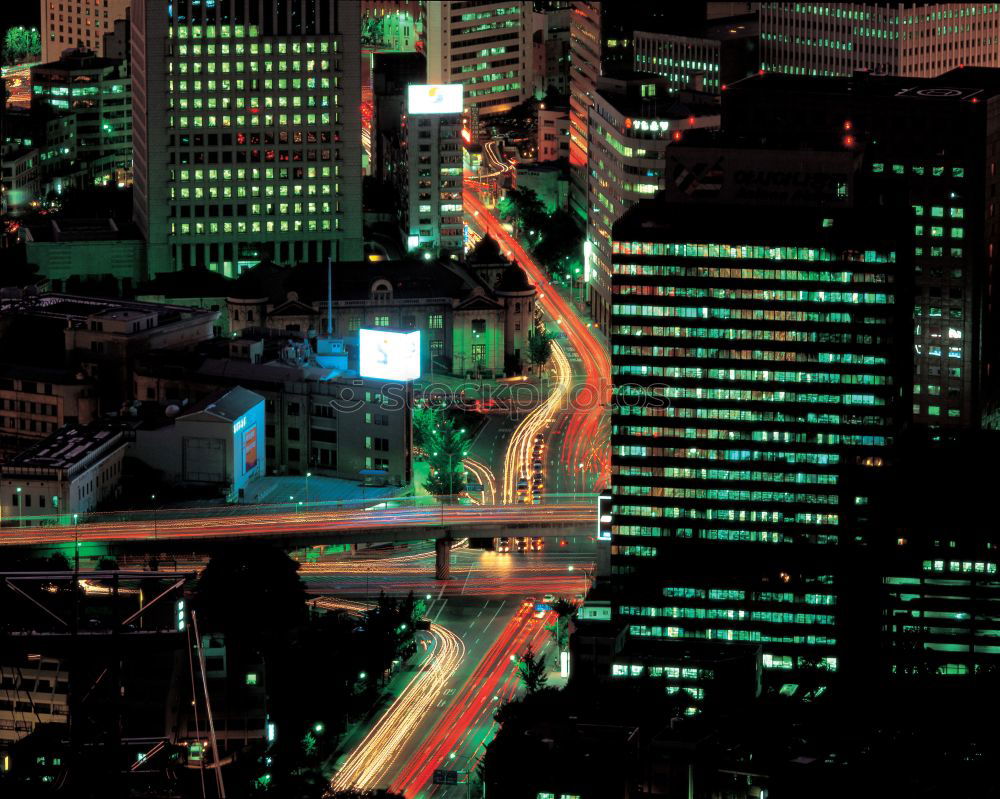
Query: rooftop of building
(77, 58)
(55, 375)
(66, 447)
(226, 404)
(961, 85)
(623, 89)
(72, 308)
(662, 221)
(409, 278)
(63, 229)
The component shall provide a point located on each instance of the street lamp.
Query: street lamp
(19, 506)
(308, 475)
(152, 498)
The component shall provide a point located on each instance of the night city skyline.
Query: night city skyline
(512, 399)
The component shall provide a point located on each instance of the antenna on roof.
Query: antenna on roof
(329, 296)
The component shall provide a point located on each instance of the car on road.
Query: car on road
(521, 544)
(548, 598)
(537, 544)
(522, 482)
(539, 614)
(503, 545)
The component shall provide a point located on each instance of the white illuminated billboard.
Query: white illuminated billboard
(386, 355)
(442, 99)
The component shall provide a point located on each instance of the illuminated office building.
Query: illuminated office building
(633, 120)
(756, 366)
(487, 47)
(911, 39)
(433, 135)
(246, 132)
(97, 93)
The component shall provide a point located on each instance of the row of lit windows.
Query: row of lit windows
(764, 295)
(687, 592)
(713, 353)
(748, 314)
(182, 31)
(239, 48)
(670, 672)
(688, 473)
(241, 192)
(776, 436)
(655, 631)
(744, 415)
(710, 534)
(740, 333)
(756, 395)
(739, 495)
(688, 250)
(767, 456)
(960, 566)
(283, 226)
(267, 120)
(918, 169)
(732, 614)
(737, 273)
(774, 517)
(254, 173)
(698, 373)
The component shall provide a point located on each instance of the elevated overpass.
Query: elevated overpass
(307, 524)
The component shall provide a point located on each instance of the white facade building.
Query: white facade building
(433, 136)
(485, 46)
(70, 472)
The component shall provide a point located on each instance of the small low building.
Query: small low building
(218, 441)
(72, 251)
(70, 472)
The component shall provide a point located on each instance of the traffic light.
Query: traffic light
(180, 614)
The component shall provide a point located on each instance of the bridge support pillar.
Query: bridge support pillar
(442, 558)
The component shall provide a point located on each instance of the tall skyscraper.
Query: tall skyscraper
(928, 158)
(756, 366)
(744, 474)
(247, 133)
(83, 23)
(487, 46)
(433, 130)
(911, 39)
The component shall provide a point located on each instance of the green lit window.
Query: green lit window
(251, 678)
(957, 233)
(958, 172)
(937, 231)
(898, 169)
(878, 167)
(957, 213)
(937, 211)
(918, 170)
(918, 210)
(918, 230)
(937, 171)
(933, 410)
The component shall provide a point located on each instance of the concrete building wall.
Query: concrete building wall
(457, 35)
(82, 23)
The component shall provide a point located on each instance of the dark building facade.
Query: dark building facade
(756, 368)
